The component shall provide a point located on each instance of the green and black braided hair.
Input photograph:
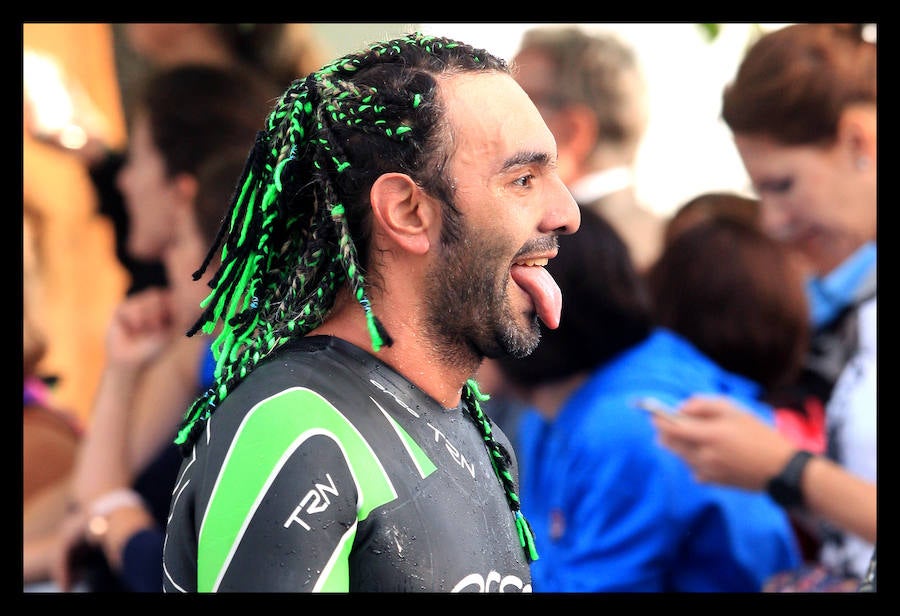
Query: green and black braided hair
(299, 223)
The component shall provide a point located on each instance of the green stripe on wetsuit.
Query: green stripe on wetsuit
(423, 463)
(272, 430)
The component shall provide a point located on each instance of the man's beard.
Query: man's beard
(469, 315)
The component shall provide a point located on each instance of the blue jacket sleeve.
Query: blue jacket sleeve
(614, 525)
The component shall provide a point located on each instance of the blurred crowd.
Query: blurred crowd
(704, 418)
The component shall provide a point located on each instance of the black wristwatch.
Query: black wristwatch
(784, 488)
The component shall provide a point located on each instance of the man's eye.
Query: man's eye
(525, 180)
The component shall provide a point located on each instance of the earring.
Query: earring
(862, 163)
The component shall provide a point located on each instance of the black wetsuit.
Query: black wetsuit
(326, 470)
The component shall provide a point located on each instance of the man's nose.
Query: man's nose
(563, 214)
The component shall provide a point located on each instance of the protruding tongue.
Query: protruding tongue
(544, 292)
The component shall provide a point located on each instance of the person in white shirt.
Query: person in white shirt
(591, 92)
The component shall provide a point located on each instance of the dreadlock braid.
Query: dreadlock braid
(299, 223)
(257, 293)
(500, 460)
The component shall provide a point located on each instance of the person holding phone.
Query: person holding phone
(802, 108)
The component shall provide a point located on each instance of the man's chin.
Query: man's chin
(518, 343)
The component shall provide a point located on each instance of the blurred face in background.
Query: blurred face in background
(150, 194)
(819, 199)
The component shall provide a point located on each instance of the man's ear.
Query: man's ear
(403, 212)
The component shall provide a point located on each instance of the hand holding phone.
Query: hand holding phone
(656, 407)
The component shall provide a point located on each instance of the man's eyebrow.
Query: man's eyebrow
(526, 158)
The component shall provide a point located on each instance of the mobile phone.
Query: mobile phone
(658, 408)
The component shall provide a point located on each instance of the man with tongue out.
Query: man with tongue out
(389, 232)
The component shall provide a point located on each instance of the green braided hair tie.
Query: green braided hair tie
(476, 391)
(526, 537)
(523, 528)
(377, 332)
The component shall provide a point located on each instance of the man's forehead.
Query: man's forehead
(493, 120)
(486, 98)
